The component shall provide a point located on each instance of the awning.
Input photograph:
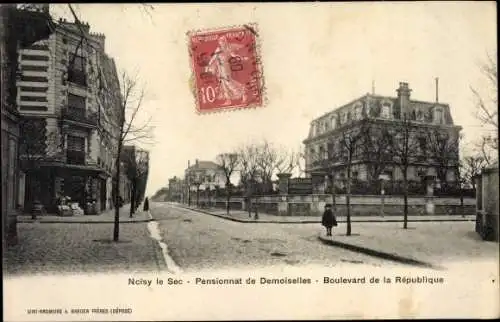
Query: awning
(77, 169)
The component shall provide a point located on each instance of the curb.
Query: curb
(81, 221)
(377, 253)
(318, 221)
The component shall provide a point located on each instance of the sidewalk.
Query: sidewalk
(59, 248)
(242, 216)
(103, 218)
(427, 244)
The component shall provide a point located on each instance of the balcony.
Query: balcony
(77, 77)
(75, 157)
(81, 116)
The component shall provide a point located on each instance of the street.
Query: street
(180, 240)
(197, 241)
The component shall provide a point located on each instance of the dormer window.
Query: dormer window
(439, 116)
(413, 115)
(420, 115)
(357, 112)
(386, 110)
(327, 125)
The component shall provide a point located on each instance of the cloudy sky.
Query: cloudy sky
(316, 56)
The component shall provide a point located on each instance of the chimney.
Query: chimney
(403, 96)
(197, 163)
(437, 90)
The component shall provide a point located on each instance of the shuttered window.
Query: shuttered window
(76, 143)
(75, 101)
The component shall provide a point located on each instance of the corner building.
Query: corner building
(69, 101)
(325, 153)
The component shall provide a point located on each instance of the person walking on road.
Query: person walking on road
(146, 204)
(328, 220)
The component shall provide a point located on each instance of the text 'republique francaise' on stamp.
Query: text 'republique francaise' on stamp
(227, 69)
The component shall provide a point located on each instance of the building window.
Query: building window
(76, 70)
(35, 57)
(413, 115)
(76, 102)
(439, 116)
(422, 143)
(41, 79)
(330, 148)
(386, 110)
(333, 122)
(76, 150)
(358, 112)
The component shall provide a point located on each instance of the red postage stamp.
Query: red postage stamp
(227, 68)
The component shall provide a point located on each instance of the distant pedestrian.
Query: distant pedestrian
(328, 220)
(120, 201)
(146, 204)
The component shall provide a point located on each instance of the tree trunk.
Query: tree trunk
(228, 185)
(348, 199)
(198, 197)
(405, 192)
(334, 197)
(462, 210)
(133, 197)
(116, 228)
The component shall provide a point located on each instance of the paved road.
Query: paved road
(52, 248)
(198, 241)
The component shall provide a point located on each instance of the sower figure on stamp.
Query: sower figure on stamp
(220, 65)
(328, 220)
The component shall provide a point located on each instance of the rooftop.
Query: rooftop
(204, 165)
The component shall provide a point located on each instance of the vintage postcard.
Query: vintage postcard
(249, 161)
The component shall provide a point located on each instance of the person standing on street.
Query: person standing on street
(146, 204)
(328, 220)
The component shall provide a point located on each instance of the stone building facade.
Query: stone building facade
(68, 97)
(202, 177)
(175, 189)
(372, 125)
(20, 26)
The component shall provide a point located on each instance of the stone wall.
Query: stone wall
(313, 205)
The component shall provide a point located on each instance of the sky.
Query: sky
(315, 57)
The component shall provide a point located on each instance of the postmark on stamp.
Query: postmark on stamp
(227, 71)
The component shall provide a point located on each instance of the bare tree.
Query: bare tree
(377, 144)
(266, 158)
(249, 170)
(326, 160)
(487, 148)
(131, 103)
(404, 151)
(350, 148)
(443, 149)
(286, 161)
(486, 109)
(472, 167)
(137, 167)
(228, 164)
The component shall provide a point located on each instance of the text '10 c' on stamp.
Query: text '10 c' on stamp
(227, 71)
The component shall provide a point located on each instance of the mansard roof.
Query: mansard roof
(414, 104)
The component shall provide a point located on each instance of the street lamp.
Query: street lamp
(383, 178)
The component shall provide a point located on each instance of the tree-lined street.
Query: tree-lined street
(199, 241)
